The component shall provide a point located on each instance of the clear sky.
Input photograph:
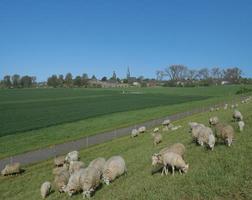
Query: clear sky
(45, 37)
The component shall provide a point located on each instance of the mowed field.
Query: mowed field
(37, 118)
(224, 173)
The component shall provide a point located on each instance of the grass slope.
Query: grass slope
(224, 173)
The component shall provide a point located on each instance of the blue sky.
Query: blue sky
(45, 37)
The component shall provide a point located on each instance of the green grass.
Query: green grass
(38, 138)
(224, 173)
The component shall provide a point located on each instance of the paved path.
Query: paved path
(59, 149)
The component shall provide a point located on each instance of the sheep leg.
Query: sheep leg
(180, 171)
(173, 169)
(163, 171)
(166, 170)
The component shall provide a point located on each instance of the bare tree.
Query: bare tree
(160, 75)
(192, 74)
(216, 73)
(204, 73)
(232, 75)
(176, 72)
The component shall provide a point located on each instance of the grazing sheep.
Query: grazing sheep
(236, 105)
(217, 109)
(156, 130)
(174, 128)
(177, 148)
(226, 106)
(142, 129)
(113, 168)
(237, 116)
(58, 170)
(98, 163)
(75, 166)
(211, 109)
(166, 122)
(232, 106)
(170, 159)
(59, 161)
(241, 125)
(134, 133)
(157, 138)
(196, 130)
(206, 137)
(11, 169)
(72, 156)
(73, 185)
(165, 128)
(225, 133)
(45, 189)
(213, 120)
(61, 179)
(243, 101)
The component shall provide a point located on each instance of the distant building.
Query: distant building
(225, 82)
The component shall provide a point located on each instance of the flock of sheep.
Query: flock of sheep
(72, 176)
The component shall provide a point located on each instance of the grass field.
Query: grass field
(224, 173)
(48, 112)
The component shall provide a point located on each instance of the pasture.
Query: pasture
(36, 118)
(224, 173)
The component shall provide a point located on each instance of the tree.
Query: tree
(84, 80)
(78, 81)
(128, 73)
(93, 77)
(203, 74)
(16, 80)
(113, 78)
(26, 81)
(159, 75)
(61, 80)
(7, 81)
(69, 80)
(176, 72)
(216, 73)
(53, 81)
(104, 78)
(192, 74)
(233, 75)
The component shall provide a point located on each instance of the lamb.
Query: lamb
(170, 159)
(142, 129)
(177, 148)
(157, 138)
(75, 166)
(166, 122)
(61, 179)
(11, 169)
(241, 125)
(206, 137)
(98, 163)
(237, 116)
(134, 133)
(213, 120)
(45, 189)
(86, 180)
(113, 168)
(225, 133)
(59, 161)
(72, 156)
(156, 130)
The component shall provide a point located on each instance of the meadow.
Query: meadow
(37, 118)
(224, 173)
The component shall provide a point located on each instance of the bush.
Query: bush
(243, 90)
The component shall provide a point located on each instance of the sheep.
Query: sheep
(134, 133)
(98, 163)
(113, 168)
(59, 161)
(211, 109)
(45, 189)
(225, 133)
(213, 120)
(75, 166)
(165, 128)
(174, 128)
(226, 106)
(156, 130)
(196, 130)
(232, 106)
(170, 159)
(217, 108)
(237, 116)
(61, 179)
(177, 148)
(72, 156)
(206, 137)
(166, 122)
(157, 138)
(58, 170)
(85, 180)
(142, 129)
(241, 125)
(236, 105)
(11, 169)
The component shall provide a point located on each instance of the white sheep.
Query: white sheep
(166, 122)
(225, 133)
(226, 106)
(134, 133)
(174, 128)
(196, 130)
(157, 138)
(72, 156)
(142, 129)
(241, 125)
(156, 130)
(10, 169)
(98, 163)
(113, 168)
(61, 179)
(217, 108)
(45, 189)
(75, 166)
(237, 116)
(213, 120)
(212, 109)
(232, 106)
(177, 148)
(206, 137)
(170, 159)
(59, 161)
